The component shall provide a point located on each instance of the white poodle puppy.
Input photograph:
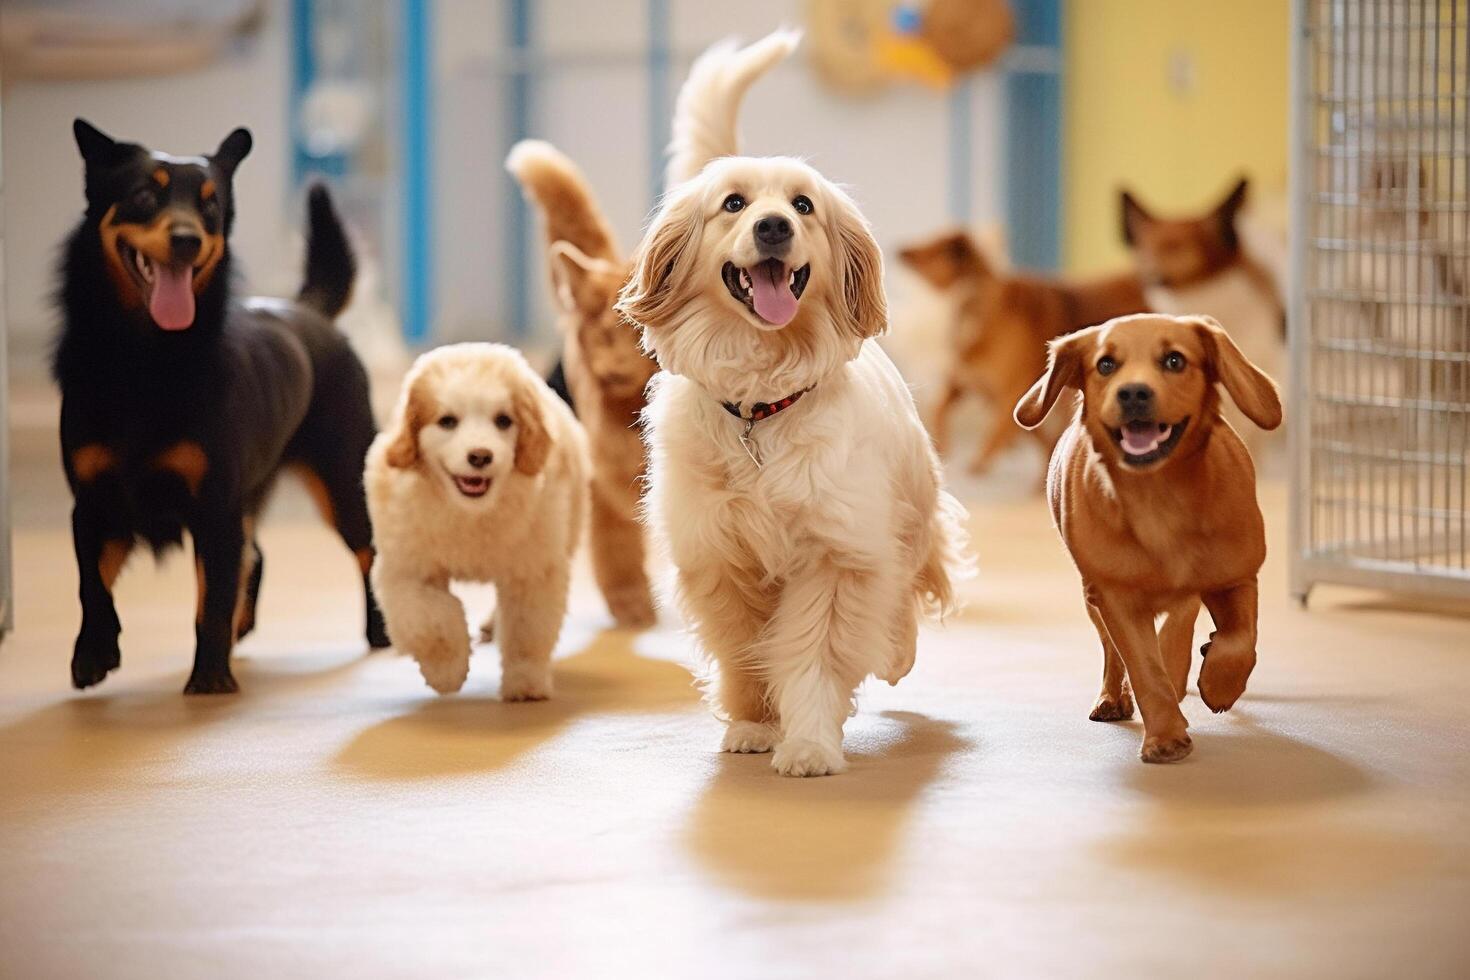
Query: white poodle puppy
(481, 476)
(790, 477)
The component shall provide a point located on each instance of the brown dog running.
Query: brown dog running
(1155, 497)
(1001, 328)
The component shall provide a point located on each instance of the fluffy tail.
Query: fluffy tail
(949, 560)
(330, 266)
(705, 114)
(552, 180)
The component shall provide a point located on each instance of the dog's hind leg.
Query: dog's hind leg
(336, 486)
(1115, 700)
(251, 573)
(219, 547)
(1176, 641)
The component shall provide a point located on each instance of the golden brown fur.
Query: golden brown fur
(1002, 324)
(605, 368)
(1157, 539)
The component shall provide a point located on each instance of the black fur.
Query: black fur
(248, 387)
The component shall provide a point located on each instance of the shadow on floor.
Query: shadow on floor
(104, 738)
(1249, 767)
(471, 734)
(829, 839)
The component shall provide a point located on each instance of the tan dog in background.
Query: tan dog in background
(606, 369)
(1155, 497)
(1001, 327)
(1201, 264)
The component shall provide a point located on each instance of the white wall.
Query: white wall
(179, 114)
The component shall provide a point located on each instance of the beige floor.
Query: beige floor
(338, 819)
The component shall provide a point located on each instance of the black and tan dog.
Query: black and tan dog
(179, 406)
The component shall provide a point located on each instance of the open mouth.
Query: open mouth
(471, 486)
(1148, 442)
(168, 290)
(768, 289)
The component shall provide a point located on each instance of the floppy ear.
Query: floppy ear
(1252, 390)
(234, 148)
(1134, 217)
(533, 442)
(662, 262)
(95, 145)
(864, 310)
(411, 415)
(1064, 364)
(580, 282)
(1225, 214)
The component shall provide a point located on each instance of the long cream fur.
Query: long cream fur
(519, 534)
(804, 575)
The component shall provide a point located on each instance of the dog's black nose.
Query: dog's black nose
(184, 245)
(1137, 400)
(773, 231)
(479, 458)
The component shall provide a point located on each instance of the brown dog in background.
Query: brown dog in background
(1155, 497)
(1001, 327)
(606, 370)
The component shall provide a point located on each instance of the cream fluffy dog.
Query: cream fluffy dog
(481, 476)
(808, 532)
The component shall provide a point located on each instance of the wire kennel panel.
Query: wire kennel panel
(1380, 325)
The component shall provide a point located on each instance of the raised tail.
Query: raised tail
(330, 265)
(709, 102)
(552, 180)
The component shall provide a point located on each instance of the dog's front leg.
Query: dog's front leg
(616, 541)
(424, 620)
(939, 421)
(728, 608)
(100, 557)
(1131, 628)
(219, 547)
(1230, 655)
(529, 610)
(822, 641)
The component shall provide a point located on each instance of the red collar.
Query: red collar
(764, 410)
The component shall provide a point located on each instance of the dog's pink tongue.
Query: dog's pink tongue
(772, 298)
(1143, 440)
(172, 302)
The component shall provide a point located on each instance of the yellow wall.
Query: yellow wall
(1127, 124)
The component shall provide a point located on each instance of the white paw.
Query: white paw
(804, 757)
(445, 674)
(525, 684)
(748, 736)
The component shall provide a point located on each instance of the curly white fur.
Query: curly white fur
(460, 404)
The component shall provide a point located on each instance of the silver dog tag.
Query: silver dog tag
(751, 449)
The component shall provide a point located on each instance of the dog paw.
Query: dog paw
(93, 658)
(1109, 708)
(1160, 748)
(445, 675)
(1223, 675)
(214, 680)
(632, 608)
(525, 685)
(748, 736)
(804, 757)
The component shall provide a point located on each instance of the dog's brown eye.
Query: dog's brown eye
(1174, 361)
(1106, 366)
(144, 198)
(448, 421)
(502, 421)
(802, 204)
(734, 203)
